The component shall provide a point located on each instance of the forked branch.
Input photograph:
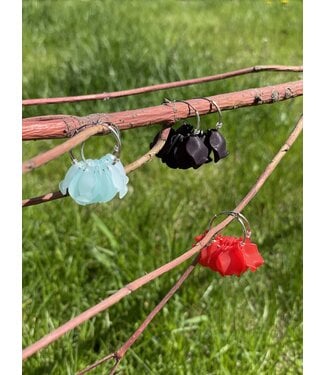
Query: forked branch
(131, 287)
(120, 353)
(128, 169)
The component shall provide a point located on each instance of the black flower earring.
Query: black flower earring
(187, 147)
(214, 139)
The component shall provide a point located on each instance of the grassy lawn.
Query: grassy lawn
(74, 256)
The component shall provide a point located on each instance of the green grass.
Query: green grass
(75, 256)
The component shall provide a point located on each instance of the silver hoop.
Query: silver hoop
(240, 218)
(198, 120)
(211, 101)
(117, 148)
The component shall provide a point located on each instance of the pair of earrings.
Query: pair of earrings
(231, 255)
(187, 147)
(91, 181)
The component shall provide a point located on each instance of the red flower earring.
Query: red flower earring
(231, 255)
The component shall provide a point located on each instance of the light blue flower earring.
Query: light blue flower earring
(96, 181)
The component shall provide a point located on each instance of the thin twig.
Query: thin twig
(99, 362)
(163, 86)
(64, 147)
(136, 284)
(63, 126)
(43, 198)
(128, 169)
(68, 145)
(120, 353)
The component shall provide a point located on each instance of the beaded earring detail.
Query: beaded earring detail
(96, 181)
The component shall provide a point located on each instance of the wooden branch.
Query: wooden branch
(136, 284)
(163, 86)
(99, 362)
(43, 198)
(66, 146)
(61, 126)
(120, 353)
(128, 169)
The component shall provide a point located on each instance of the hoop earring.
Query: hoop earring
(91, 181)
(211, 101)
(229, 255)
(240, 218)
(214, 139)
(185, 147)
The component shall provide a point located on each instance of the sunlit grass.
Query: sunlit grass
(74, 256)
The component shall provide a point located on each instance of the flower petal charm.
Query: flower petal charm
(119, 178)
(187, 148)
(230, 256)
(95, 181)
